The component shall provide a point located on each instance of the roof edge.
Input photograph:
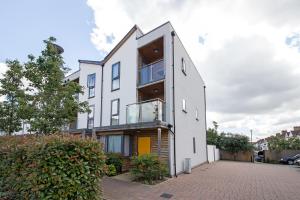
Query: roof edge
(91, 62)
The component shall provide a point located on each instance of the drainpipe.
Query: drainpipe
(101, 100)
(173, 111)
(205, 120)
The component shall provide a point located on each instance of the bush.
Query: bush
(116, 160)
(111, 170)
(148, 168)
(50, 167)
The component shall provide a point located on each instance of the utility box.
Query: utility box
(187, 165)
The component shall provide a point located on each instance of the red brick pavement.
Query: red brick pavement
(221, 180)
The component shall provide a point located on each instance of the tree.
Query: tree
(52, 101)
(234, 143)
(212, 135)
(280, 143)
(11, 109)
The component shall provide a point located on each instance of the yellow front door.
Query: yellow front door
(143, 145)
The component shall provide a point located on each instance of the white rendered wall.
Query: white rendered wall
(211, 153)
(85, 70)
(188, 87)
(127, 56)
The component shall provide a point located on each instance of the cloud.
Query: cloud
(241, 48)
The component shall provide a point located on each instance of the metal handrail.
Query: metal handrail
(157, 61)
(155, 111)
(149, 100)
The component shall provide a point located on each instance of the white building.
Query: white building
(145, 96)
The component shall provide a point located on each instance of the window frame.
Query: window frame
(194, 145)
(107, 144)
(91, 87)
(118, 111)
(116, 78)
(92, 118)
(183, 66)
(184, 106)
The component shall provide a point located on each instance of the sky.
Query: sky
(247, 51)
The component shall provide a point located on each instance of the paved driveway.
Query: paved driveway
(221, 180)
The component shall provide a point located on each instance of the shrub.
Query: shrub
(50, 167)
(116, 160)
(148, 168)
(111, 170)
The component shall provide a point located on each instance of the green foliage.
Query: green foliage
(11, 110)
(111, 170)
(50, 167)
(116, 160)
(148, 168)
(212, 136)
(54, 103)
(280, 143)
(234, 142)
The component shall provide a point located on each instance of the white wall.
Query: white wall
(217, 154)
(188, 87)
(85, 70)
(127, 56)
(211, 153)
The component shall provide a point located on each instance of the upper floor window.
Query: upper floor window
(115, 111)
(91, 81)
(183, 66)
(194, 145)
(197, 114)
(115, 76)
(184, 105)
(90, 120)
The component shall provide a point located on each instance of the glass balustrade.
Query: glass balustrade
(147, 111)
(152, 72)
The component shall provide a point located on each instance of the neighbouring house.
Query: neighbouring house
(262, 144)
(290, 134)
(145, 96)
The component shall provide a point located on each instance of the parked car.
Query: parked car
(297, 162)
(289, 160)
(258, 158)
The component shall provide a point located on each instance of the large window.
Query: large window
(90, 119)
(115, 108)
(91, 81)
(115, 76)
(114, 143)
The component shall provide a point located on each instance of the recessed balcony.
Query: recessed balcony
(151, 73)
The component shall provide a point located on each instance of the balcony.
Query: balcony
(146, 111)
(152, 72)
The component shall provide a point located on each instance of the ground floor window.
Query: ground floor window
(116, 144)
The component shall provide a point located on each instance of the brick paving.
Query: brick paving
(221, 180)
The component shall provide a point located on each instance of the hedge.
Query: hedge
(50, 167)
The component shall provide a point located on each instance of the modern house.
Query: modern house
(145, 96)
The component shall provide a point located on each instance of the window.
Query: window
(115, 76)
(102, 140)
(197, 115)
(184, 105)
(183, 66)
(115, 108)
(114, 143)
(194, 145)
(90, 120)
(91, 81)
